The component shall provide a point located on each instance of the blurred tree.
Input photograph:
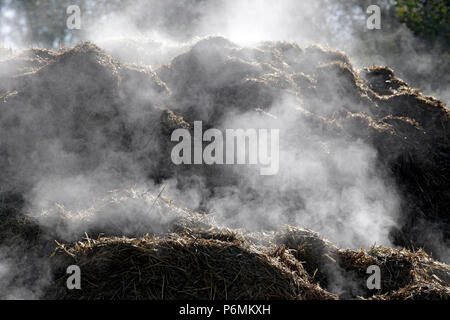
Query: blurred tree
(428, 19)
(413, 40)
(43, 22)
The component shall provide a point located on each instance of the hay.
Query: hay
(404, 273)
(227, 264)
(195, 258)
(182, 268)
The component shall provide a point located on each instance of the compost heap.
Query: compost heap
(136, 245)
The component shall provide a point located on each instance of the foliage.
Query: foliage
(428, 19)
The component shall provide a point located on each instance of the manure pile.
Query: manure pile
(81, 112)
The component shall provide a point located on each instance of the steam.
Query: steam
(339, 192)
